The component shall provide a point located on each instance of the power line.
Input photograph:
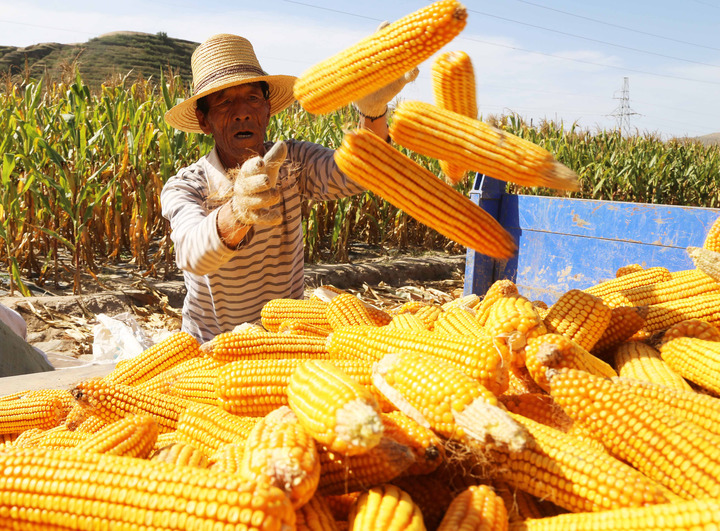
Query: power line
(333, 10)
(617, 25)
(594, 40)
(605, 65)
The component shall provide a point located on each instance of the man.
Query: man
(235, 213)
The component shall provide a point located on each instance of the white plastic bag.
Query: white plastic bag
(118, 338)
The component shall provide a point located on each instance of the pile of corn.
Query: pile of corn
(492, 412)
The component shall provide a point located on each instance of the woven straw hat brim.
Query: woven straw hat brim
(182, 116)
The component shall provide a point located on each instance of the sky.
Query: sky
(575, 63)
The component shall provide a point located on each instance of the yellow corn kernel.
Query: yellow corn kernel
(691, 328)
(695, 282)
(231, 346)
(539, 407)
(460, 321)
(373, 163)
(407, 321)
(334, 408)
(665, 314)
(630, 268)
(197, 385)
(301, 328)
(498, 289)
(34, 410)
(316, 515)
(380, 58)
(473, 144)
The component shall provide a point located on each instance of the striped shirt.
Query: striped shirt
(226, 287)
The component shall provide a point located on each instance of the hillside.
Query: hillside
(102, 57)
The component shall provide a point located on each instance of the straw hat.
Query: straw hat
(224, 61)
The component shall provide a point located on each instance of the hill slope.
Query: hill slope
(98, 59)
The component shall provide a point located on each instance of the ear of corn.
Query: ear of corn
(425, 444)
(33, 410)
(385, 507)
(380, 58)
(302, 328)
(691, 328)
(514, 320)
(477, 507)
(376, 165)
(196, 385)
(61, 437)
(174, 349)
(453, 83)
(497, 290)
(569, 472)
(281, 452)
(629, 281)
(522, 506)
(335, 409)
(663, 315)
(481, 358)
(699, 408)
(227, 458)
(694, 282)
(311, 311)
(232, 346)
(111, 402)
(539, 407)
(208, 428)
(674, 452)
(346, 309)
(712, 238)
(407, 321)
(341, 473)
(68, 489)
(630, 268)
(552, 351)
(132, 436)
(315, 515)
(578, 316)
(661, 517)
(441, 397)
(470, 143)
(460, 321)
(639, 361)
(695, 359)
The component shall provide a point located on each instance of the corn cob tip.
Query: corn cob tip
(488, 423)
(358, 424)
(563, 178)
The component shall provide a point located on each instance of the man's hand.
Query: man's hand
(374, 105)
(254, 188)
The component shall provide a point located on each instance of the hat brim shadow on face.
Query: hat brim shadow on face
(182, 115)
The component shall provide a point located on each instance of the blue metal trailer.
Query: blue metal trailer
(568, 244)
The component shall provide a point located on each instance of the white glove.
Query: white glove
(374, 105)
(254, 188)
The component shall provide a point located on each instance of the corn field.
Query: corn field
(81, 175)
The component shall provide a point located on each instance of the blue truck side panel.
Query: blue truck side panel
(574, 243)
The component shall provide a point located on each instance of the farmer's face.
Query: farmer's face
(237, 118)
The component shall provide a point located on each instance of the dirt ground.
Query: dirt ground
(62, 324)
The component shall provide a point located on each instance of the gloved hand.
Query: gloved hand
(254, 188)
(374, 104)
